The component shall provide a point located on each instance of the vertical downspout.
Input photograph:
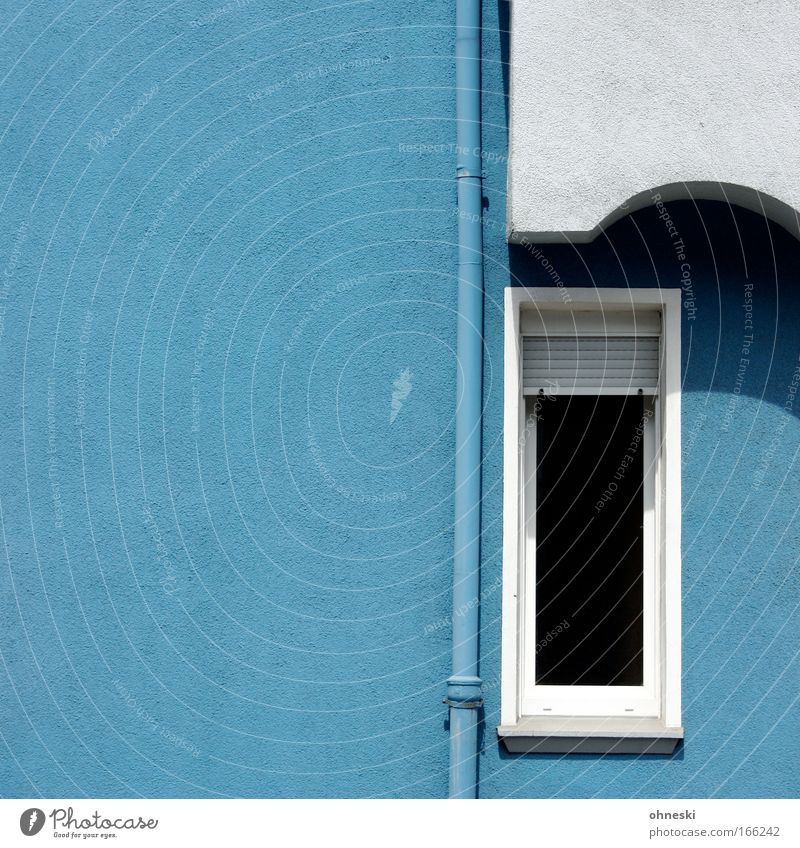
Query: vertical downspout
(464, 686)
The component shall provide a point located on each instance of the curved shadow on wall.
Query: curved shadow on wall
(739, 274)
(730, 194)
(740, 279)
(696, 191)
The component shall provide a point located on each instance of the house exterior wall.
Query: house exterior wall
(632, 96)
(227, 352)
(225, 567)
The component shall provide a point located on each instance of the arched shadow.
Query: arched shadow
(731, 194)
(739, 274)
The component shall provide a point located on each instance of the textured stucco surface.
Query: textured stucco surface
(215, 536)
(226, 554)
(612, 99)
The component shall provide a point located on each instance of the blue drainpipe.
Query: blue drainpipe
(464, 686)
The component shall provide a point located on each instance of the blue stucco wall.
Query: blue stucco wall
(220, 553)
(227, 360)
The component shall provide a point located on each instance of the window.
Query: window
(591, 571)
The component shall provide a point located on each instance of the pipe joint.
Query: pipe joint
(464, 692)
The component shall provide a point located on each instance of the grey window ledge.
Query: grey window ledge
(554, 735)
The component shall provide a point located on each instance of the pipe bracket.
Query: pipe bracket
(464, 692)
(463, 705)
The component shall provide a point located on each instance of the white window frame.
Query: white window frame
(658, 702)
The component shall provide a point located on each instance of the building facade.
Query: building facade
(228, 350)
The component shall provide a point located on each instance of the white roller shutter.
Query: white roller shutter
(573, 352)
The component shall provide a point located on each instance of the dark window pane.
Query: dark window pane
(589, 547)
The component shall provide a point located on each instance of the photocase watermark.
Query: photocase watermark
(679, 247)
(197, 369)
(488, 223)
(185, 184)
(691, 437)
(220, 12)
(768, 456)
(16, 251)
(52, 454)
(535, 415)
(351, 494)
(536, 252)
(744, 358)
(417, 148)
(143, 714)
(80, 368)
(625, 462)
(401, 389)
(100, 140)
(318, 72)
(8, 272)
(33, 820)
(551, 635)
(462, 610)
(322, 301)
(169, 581)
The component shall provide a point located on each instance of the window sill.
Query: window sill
(551, 735)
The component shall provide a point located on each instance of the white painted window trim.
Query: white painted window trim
(663, 718)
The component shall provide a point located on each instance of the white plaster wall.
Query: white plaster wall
(612, 99)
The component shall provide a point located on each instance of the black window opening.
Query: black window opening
(589, 540)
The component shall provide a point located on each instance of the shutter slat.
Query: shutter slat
(577, 374)
(590, 362)
(608, 383)
(597, 362)
(592, 344)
